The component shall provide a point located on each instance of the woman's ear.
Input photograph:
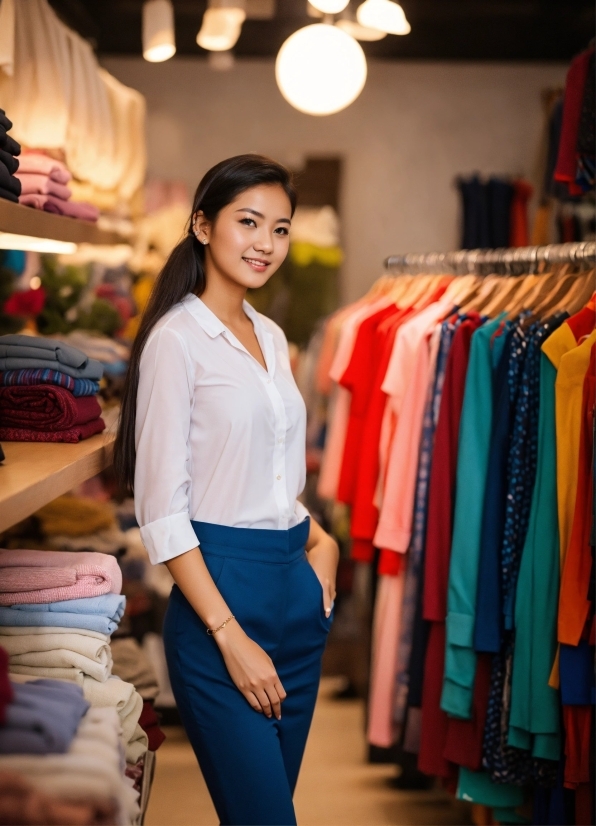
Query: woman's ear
(201, 227)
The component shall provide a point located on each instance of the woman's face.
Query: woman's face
(249, 239)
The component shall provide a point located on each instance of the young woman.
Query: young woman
(212, 440)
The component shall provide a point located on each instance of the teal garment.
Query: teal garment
(534, 717)
(505, 815)
(472, 465)
(477, 787)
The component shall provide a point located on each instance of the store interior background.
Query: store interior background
(462, 94)
(414, 128)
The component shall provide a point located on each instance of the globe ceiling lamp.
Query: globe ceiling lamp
(159, 42)
(329, 6)
(222, 24)
(320, 69)
(384, 15)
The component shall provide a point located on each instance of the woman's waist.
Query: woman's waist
(254, 544)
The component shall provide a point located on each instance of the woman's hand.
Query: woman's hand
(251, 670)
(323, 556)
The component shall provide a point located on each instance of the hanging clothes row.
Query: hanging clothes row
(461, 435)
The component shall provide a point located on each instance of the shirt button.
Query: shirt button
(281, 440)
(278, 478)
(268, 381)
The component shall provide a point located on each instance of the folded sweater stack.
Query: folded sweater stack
(44, 182)
(57, 612)
(47, 391)
(10, 186)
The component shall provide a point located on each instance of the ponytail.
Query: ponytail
(184, 273)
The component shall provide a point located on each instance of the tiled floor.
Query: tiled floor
(336, 786)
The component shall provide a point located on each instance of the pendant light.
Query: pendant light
(358, 32)
(158, 30)
(222, 24)
(329, 6)
(320, 69)
(384, 15)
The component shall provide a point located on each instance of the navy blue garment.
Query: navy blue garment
(476, 231)
(42, 718)
(505, 763)
(499, 196)
(250, 762)
(488, 628)
(576, 671)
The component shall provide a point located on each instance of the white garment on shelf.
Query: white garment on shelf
(61, 651)
(22, 630)
(58, 98)
(219, 438)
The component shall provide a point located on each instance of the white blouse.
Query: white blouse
(219, 438)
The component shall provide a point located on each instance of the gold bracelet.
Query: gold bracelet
(212, 631)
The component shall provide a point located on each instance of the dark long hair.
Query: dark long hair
(184, 273)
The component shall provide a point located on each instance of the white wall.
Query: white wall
(414, 127)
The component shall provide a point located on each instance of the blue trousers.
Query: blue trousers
(250, 763)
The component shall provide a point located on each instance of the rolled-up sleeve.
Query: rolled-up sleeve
(163, 457)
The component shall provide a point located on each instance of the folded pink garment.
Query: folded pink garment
(44, 165)
(73, 209)
(70, 575)
(32, 200)
(33, 183)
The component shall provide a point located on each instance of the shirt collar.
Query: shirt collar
(206, 318)
(211, 323)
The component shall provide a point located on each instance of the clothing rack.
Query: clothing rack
(505, 261)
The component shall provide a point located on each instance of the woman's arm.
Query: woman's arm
(323, 555)
(249, 666)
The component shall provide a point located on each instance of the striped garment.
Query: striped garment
(78, 387)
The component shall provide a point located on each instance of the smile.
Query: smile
(257, 264)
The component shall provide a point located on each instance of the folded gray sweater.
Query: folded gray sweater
(18, 352)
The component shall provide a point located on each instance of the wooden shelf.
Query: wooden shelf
(23, 220)
(35, 473)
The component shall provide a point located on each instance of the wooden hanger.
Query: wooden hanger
(510, 286)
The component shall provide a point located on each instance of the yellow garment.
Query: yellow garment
(569, 390)
(559, 347)
(302, 253)
(75, 516)
(140, 292)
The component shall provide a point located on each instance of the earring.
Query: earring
(204, 241)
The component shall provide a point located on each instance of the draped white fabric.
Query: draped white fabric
(58, 97)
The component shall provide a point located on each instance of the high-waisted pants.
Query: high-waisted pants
(250, 762)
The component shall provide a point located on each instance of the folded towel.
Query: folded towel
(43, 718)
(39, 163)
(42, 672)
(21, 803)
(38, 184)
(113, 693)
(9, 161)
(93, 657)
(8, 181)
(96, 650)
(84, 575)
(21, 351)
(45, 407)
(72, 435)
(78, 387)
(104, 621)
(20, 630)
